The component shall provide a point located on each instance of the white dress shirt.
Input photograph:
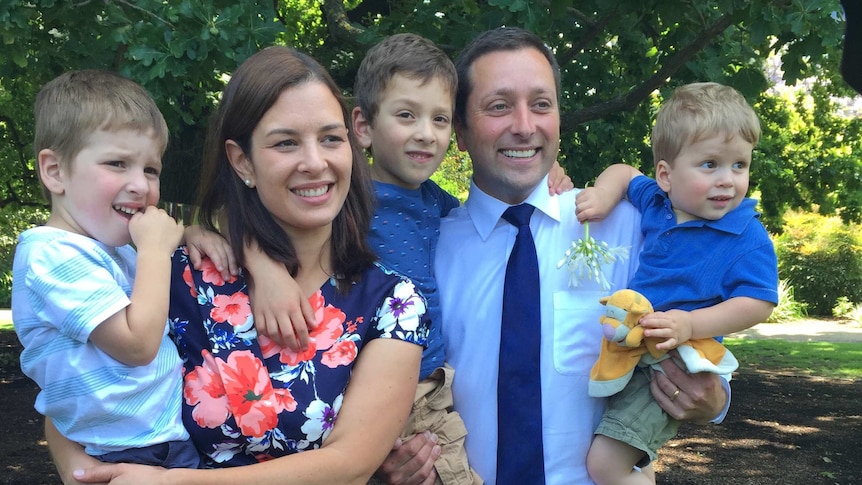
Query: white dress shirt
(470, 267)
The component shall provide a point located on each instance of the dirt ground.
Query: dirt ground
(782, 429)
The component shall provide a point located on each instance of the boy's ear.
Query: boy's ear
(50, 171)
(662, 175)
(241, 164)
(361, 127)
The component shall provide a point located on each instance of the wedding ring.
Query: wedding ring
(675, 394)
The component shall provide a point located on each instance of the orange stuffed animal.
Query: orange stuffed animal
(624, 346)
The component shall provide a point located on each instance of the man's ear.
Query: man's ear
(662, 175)
(241, 164)
(362, 128)
(50, 171)
(459, 138)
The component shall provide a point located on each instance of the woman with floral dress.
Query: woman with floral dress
(281, 170)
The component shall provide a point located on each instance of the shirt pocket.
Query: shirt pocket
(577, 331)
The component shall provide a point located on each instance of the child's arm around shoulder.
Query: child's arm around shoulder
(596, 202)
(281, 311)
(133, 334)
(727, 317)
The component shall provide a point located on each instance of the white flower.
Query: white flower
(585, 258)
(404, 308)
(321, 418)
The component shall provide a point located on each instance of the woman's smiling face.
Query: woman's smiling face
(300, 161)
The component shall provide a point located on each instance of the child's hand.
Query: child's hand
(673, 325)
(593, 204)
(558, 181)
(153, 229)
(202, 242)
(280, 310)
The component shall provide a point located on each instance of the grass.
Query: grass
(821, 359)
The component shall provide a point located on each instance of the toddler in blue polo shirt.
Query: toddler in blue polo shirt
(707, 266)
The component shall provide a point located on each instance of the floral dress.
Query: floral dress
(245, 399)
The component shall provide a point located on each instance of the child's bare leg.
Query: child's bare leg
(611, 462)
(649, 472)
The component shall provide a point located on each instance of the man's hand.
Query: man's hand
(698, 398)
(411, 462)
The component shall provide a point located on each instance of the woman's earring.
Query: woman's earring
(248, 183)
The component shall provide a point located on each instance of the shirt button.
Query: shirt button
(668, 216)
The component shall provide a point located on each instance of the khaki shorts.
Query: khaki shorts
(432, 411)
(635, 418)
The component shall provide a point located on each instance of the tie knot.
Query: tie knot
(519, 215)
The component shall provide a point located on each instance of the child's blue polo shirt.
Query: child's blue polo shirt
(700, 263)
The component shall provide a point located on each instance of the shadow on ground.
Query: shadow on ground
(782, 429)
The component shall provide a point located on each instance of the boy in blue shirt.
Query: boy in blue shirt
(110, 377)
(707, 266)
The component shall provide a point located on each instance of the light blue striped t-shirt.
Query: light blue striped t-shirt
(63, 286)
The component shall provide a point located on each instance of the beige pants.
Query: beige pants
(432, 411)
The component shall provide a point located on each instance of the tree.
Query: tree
(618, 59)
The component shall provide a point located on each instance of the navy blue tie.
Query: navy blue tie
(520, 458)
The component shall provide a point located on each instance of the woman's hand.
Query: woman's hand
(123, 474)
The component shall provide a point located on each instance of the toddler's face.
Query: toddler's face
(411, 132)
(709, 177)
(114, 175)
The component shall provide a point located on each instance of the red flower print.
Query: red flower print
(210, 274)
(254, 403)
(204, 390)
(330, 322)
(285, 399)
(233, 309)
(187, 277)
(342, 353)
(329, 329)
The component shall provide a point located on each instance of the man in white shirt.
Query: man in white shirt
(507, 117)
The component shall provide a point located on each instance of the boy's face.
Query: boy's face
(411, 132)
(708, 179)
(115, 175)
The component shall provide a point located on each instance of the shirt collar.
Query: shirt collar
(734, 222)
(486, 211)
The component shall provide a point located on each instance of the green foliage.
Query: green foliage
(454, 173)
(617, 60)
(847, 310)
(809, 157)
(788, 308)
(822, 259)
(14, 220)
(843, 307)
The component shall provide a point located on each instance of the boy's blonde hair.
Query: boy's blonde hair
(699, 110)
(75, 104)
(410, 55)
